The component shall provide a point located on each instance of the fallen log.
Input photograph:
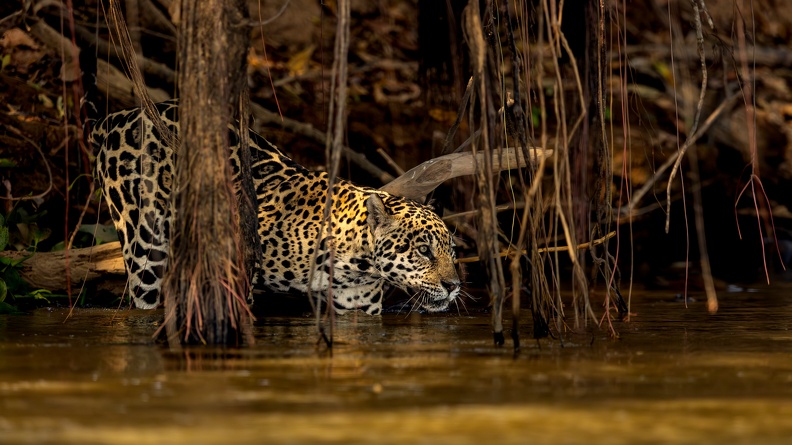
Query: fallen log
(48, 270)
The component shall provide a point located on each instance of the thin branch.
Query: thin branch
(460, 112)
(396, 167)
(725, 105)
(697, 115)
(273, 18)
(268, 118)
(511, 252)
(46, 164)
(701, 235)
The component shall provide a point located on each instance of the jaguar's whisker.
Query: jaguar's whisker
(410, 302)
(462, 302)
(456, 303)
(419, 300)
(468, 295)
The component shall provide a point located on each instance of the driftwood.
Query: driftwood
(47, 270)
(421, 180)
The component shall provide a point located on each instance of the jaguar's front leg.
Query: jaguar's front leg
(363, 297)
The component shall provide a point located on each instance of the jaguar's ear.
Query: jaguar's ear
(377, 215)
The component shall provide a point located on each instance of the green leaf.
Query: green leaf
(41, 294)
(3, 236)
(536, 116)
(13, 262)
(25, 218)
(60, 107)
(39, 235)
(6, 308)
(7, 163)
(83, 175)
(102, 233)
(5, 61)
(3, 290)
(16, 285)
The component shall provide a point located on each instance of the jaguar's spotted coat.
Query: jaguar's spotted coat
(380, 239)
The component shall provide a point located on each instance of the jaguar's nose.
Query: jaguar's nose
(450, 286)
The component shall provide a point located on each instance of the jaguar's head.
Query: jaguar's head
(413, 250)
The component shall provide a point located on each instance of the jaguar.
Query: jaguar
(372, 241)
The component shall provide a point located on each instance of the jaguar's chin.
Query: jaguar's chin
(436, 305)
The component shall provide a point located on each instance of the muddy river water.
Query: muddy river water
(676, 375)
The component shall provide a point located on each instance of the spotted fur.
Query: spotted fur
(373, 240)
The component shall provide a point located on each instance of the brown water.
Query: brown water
(677, 375)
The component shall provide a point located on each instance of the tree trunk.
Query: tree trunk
(206, 283)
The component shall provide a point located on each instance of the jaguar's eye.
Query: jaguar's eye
(424, 250)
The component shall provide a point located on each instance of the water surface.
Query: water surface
(676, 375)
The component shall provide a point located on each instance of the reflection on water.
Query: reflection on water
(677, 375)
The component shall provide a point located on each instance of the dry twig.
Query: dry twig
(511, 253)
